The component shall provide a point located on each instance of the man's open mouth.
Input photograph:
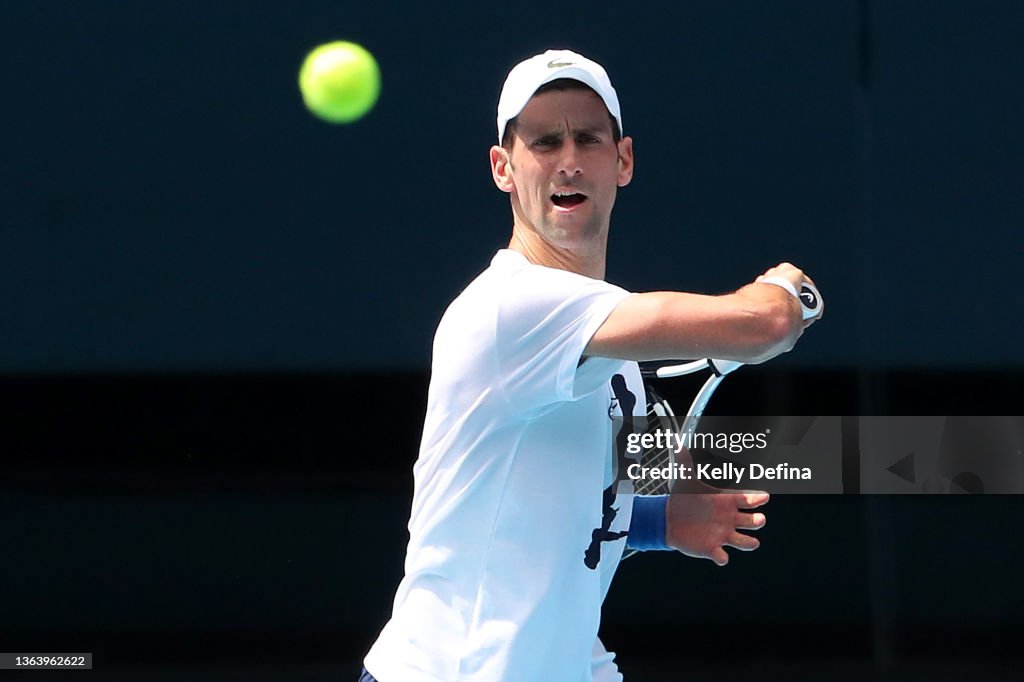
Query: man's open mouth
(568, 199)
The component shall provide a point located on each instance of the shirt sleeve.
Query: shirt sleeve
(545, 320)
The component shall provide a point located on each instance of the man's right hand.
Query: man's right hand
(796, 277)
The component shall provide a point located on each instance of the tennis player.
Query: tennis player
(516, 528)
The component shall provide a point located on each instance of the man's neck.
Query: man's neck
(588, 262)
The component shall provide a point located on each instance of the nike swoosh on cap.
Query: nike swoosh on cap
(554, 64)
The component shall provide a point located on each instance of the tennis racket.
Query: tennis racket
(661, 416)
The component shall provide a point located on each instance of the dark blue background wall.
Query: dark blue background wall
(169, 204)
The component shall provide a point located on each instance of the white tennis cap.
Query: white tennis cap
(526, 76)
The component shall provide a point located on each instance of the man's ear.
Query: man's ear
(501, 169)
(625, 161)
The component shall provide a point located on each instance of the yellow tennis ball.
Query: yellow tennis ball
(339, 81)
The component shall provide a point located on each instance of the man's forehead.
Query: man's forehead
(580, 109)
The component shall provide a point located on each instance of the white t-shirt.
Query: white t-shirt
(515, 530)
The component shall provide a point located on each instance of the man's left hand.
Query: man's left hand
(704, 522)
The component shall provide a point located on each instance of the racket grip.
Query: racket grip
(810, 300)
(809, 296)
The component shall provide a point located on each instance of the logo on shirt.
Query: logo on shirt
(627, 401)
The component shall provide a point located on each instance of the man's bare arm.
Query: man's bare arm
(751, 325)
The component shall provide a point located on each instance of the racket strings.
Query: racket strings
(660, 417)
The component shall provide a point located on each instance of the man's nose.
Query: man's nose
(569, 162)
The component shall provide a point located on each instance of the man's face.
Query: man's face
(565, 167)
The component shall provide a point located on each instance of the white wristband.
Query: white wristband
(780, 282)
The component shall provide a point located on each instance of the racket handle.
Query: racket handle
(810, 300)
(809, 296)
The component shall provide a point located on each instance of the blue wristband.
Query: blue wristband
(647, 527)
